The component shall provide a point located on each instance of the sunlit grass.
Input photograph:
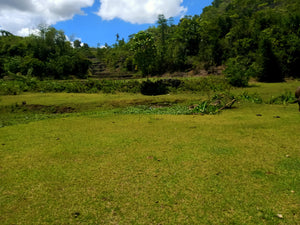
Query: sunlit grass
(120, 99)
(238, 167)
(269, 90)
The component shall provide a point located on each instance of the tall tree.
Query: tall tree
(162, 47)
(144, 50)
(270, 66)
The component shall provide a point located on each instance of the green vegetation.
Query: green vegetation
(47, 55)
(176, 149)
(255, 38)
(204, 95)
(131, 159)
(149, 87)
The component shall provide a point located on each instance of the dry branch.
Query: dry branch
(227, 105)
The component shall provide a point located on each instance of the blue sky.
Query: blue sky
(94, 30)
(92, 21)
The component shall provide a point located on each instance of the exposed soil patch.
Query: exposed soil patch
(139, 102)
(36, 108)
(49, 108)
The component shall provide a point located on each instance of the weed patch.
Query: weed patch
(214, 105)
(254, 98)
(285, 98)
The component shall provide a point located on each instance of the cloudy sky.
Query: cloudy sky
(92, 21)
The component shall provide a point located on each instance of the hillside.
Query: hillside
(254, 38)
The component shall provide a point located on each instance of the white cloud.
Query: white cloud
(26, 31)
(140, 11)
(22, 17)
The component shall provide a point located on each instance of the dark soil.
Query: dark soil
(36, 108)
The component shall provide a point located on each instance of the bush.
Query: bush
(215, 104)
(237, 72)
(13, 64)
(285, 98)
(254, 98)
(174, 83)
(206, 107)
(131, 86)
(154, 88)
(32, 67)
(10, 88)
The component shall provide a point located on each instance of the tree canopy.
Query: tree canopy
(262, 37)
(257, 38)
(46, 55)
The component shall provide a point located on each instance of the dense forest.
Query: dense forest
(248, 38)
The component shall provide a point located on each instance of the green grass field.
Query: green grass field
(105, 164)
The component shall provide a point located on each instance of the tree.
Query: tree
(162, 48)
(238, 71)
(47, 54)
(270, 67)
(144, 52)
(5, 33)
(77, 44)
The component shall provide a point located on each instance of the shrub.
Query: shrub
(206, 107)
(285, 98)
(13, 64)
(215, 104)
(237, 72)
(254, 98)
(174, 83)
(131, 86)
(154, 88)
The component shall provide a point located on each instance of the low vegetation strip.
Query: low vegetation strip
(153, 86)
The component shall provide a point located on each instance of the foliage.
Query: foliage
(256, 32)
(205, 107)
(285, 98)
(21, 83)
(47, 55)
(154, 88)
(160, 87)
(144, 50)
(213, 105)
(238, 72)
(258, 38)
(271, 70)
(254, 98)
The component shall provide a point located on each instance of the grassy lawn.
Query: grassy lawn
(99, 165)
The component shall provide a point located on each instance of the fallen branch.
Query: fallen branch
(228, 105)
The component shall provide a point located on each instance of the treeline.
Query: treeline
(250, 38)
(46, 55)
